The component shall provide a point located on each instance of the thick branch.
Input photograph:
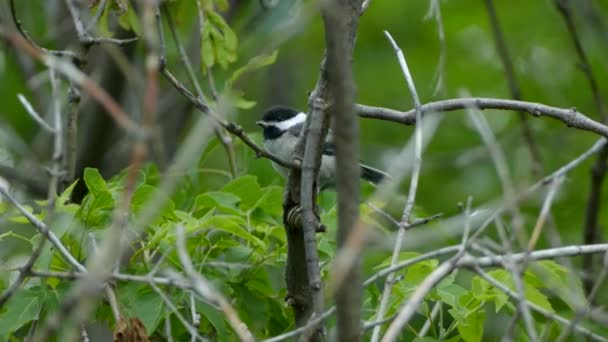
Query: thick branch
(341, 18)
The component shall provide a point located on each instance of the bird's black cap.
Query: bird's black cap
(279, 113)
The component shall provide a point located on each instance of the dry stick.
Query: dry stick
(514, 89)
(571, 117)
(206, 290)
(411, 198)
(599, 169)
(544, 213)
(535, 307)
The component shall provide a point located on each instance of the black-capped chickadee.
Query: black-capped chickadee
(282, 126)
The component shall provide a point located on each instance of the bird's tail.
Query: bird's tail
(373, 175)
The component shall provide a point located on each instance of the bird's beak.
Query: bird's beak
(261, 124)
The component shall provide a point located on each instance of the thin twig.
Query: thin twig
(551, 253)
(544, 213)
(32, 112)
(514, 88)
(411, 197)
(43, 229)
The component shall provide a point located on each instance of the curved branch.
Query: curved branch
(570, 116)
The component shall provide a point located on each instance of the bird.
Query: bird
(281, 128)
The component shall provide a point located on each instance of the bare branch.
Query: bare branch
(411, 197)
(571, 117)
(552, 253)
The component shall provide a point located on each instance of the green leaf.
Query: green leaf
(451, 294)
(207, 53)
(97, 206)
(272, 201)
(222, 5)
(94, 181)
(485, 291)
(143, 194)
(215, 317)
(21, 309)
(559, 279)
(66, 194)
(129, 20)
(242, 103)
(471, 326)
(224, 201)
(254, 64)
(246, 188)
(227, 224)
(142, 302)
